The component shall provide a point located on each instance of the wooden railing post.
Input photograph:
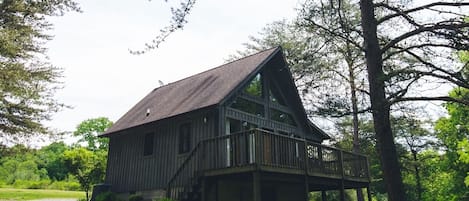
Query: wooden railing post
(341, 167)
(306, 158)
(306, 166)
(320, 158)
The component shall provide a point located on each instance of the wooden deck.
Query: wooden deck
(262, 151)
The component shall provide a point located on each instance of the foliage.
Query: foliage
(401, 64)
(51, 158)
(106, 196)
(87, 166)
(21, 167)
(27, 80)
(89, 130)
(463, 151)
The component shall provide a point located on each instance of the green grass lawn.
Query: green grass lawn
(33, 194)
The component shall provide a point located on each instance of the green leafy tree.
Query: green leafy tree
(427, 43)
(463, 151)
(27, 80)
(87, 166)
(453, 131)
(51, 158)
(89, 130)
(21, 166)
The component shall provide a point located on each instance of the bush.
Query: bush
(65, 185)
(41, 184)
(135, 198)
(106, 196)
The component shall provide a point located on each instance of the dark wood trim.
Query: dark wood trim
(256, 186)
(323, 195)
(368, 191)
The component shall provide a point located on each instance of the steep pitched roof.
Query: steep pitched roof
(198, 91)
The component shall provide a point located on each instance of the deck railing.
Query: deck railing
(265, 149)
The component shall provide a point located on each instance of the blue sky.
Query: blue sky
(101, 78)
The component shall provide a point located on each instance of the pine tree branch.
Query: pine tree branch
(178, 21)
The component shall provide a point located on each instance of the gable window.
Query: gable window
(148, 144)
(248, 106)
(184, 138)
(255, 87)
(275, 96)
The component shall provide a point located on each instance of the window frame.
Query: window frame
(148, 144)
(185, 138)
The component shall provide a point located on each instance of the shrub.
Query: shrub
(41, 184)
(65, 185)
(135, 198)
(106, 196)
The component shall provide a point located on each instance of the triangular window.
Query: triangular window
(254, 88)
(275, 96)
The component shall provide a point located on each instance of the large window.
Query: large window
(148, 144)
(275, 96)
(262, 97)
(184, 138)
(248, 106)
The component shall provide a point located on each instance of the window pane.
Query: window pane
(248, 106)
(283, 117)
(184, 138)
(274, 95)
(255, 87)
(148, 144)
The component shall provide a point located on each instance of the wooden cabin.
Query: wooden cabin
(238, 132)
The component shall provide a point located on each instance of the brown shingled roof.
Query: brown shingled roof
(198, 91)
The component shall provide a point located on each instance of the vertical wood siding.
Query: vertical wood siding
(128, 170)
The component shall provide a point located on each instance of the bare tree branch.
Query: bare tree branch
(405, 12)
(437, 98)
(403, 50)
(437, 26)
(335, 34)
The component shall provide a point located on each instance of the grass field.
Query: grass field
(34, 194)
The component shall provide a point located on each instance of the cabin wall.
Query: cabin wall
(129, 170)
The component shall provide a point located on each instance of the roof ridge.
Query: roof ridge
(212, 69)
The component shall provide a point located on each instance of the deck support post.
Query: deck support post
(323, 196)
(306, 188)
(368, 191)
(342, 190)
(256, 179)
(203, 189)
(342, 185)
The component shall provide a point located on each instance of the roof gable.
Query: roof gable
(196, 92)
(282, 80)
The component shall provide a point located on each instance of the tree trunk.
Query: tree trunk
(380, 106)
(417, 175)
(354, 101)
